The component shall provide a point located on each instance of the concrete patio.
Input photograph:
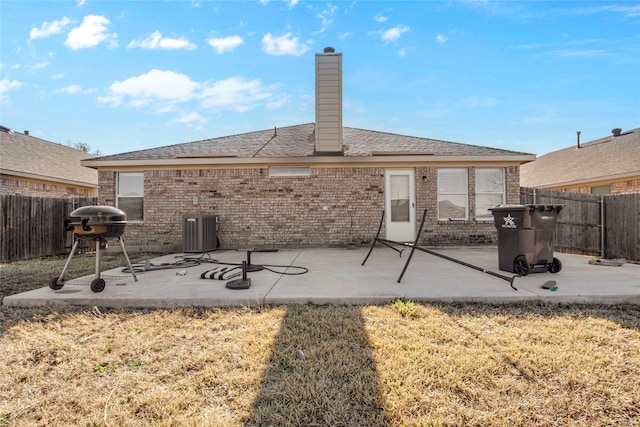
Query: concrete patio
(336, 276)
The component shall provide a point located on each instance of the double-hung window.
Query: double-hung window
(452, 194)
(130, 191)
(489, 191)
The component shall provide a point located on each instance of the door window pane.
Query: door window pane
(399, 198)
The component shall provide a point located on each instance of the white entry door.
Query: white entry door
(400, 204)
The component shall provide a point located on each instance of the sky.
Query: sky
(120, 76)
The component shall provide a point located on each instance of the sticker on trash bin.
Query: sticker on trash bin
(509, 221)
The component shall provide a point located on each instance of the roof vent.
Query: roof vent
(616, 131)
(329, 49)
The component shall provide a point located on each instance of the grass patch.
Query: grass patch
(404, 363)
(23, 276)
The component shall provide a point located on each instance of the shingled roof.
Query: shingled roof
(297, 141)
(601, 159)
(29, 157)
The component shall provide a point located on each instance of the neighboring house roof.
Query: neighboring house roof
(298, 141)
(29, 157)
(605, 158)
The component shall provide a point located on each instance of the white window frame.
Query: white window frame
(487, 216)
(120, 196)
(443, 192)
(289, 171)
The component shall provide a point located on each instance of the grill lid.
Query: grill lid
(100, 214)
(103, 222)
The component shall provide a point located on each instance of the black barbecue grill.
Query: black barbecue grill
(99, 224)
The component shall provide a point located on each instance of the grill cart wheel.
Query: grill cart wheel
(520, 265)
(56, 283)
(555, 266)
(97, 285)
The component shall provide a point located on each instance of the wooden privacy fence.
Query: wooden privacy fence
(34, 226)
(606, 226)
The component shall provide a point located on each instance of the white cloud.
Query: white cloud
(291, 4)
(441, 38)
(90, 33)
(156, 85)
(162, 91)
(380, 18)
(70, 90)
(283, 45)
(405, 50)
(156, 41)
(6, 85)
(225, 44)
(235, 94)
(277, 102)
(324, 17)
(579, 53)
(191, 118)
(49, 28)
(57, 76)
(394, 33)
(81, 2)
(39, 66)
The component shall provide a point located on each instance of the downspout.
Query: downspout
(602, 224)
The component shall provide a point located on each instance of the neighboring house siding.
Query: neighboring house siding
(622, 186)
(39, 188)
(256, 210)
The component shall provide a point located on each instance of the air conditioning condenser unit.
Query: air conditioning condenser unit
(199, 233)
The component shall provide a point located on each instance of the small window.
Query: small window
(601, 190)
(452, 194)
(292, 171)
(130, 191)
(490, 191)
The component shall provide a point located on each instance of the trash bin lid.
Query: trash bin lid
(505, 208)
(531, 207)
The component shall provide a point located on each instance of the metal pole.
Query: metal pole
(414, 246)
(602, 225)
(127, 257)
(66, 264)
(375, 239)
(97, 240)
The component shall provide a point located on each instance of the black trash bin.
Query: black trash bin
(525, 238)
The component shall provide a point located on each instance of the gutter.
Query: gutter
(47, 178)
(328, 161)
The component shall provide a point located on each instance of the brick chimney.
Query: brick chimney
(328, 131)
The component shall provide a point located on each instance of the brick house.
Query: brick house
(609, 165)
(31, 166)
(312, 185)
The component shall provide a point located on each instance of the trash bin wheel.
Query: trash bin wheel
(520, 265)
(56, 283)
(555, 266)
(97, 285)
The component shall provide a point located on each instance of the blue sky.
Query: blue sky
(128, 75)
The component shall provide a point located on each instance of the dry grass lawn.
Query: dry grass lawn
(400, 364)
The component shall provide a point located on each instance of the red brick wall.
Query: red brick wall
(257, 210)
